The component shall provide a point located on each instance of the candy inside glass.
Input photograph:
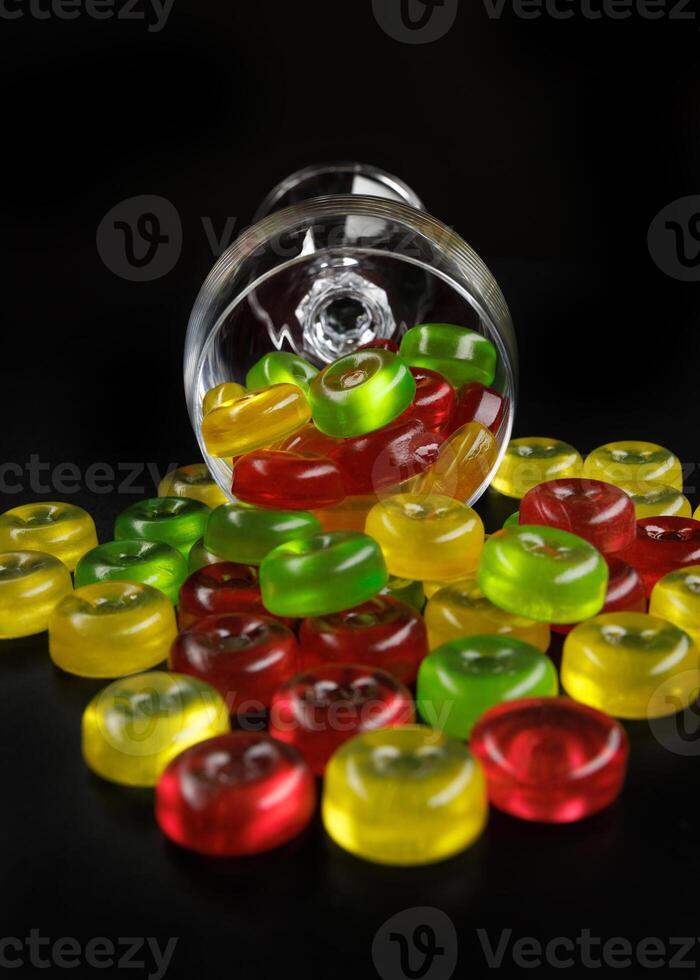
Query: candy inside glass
(330, 273)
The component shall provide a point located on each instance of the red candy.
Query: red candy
(434, 400)
(661, 545)
(287, 480)
(319, 710)
(382, 633)
(221, 588)
(550, 759)
(475, 403)
(236, 794)
(245, 657)
(626, 592)
(386, 457)
(308, 439)
(597, 511)
(380, 344)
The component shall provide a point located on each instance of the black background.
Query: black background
(550, 146)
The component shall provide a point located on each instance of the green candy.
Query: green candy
(323, 574)
(199, 557)
(177, 521)
(461, 680)
(459, 354)
(280, 367)
(151, 562)
(246, 534)
(543, 573)
(361, 392)
(406, 590)
(513, 520)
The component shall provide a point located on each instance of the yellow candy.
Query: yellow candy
(676, 598)
(461, 610)
(255, 420)
(427, 536)
(221, 395)
(631, 665)
(135, 726)
(657, 500)
(193, 481)
(465, 461)
(31, 584)
(111, 628)
(621, 463)
(63, 530)
(404, 796)
(530, 461)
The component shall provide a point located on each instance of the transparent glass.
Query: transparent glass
(327, 274)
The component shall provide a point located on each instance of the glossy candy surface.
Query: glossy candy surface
(177, 521)
(631, 665)
(461, 609)
(543, 573)
(466, 458)
(427, 536)
(281, 367)
(287, 481)
(246, 534)
(361, 392)
(322, 574)
(381, 343)
(199, 556)
(239, 794)
(676, 598)
(150, 562)
(319, 710)
(634, 462)
(459, 354)
(657, 500)
(193, 481)
(244, 656)
(434, 400)
(404, 796)
(406, 590)
(382, 633)
(110, 629)
(596, 511)
(219, 588)
(382, 460)
(349, 515)
(550, 759)
(626, 592)
(462, 679)
(63, 530)
(530, 461)
(222, 394)
(476, 403)
(136, 725)
(32, 583)
(255, 420)
(661, 545)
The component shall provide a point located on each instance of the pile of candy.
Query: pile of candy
(305, 646)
